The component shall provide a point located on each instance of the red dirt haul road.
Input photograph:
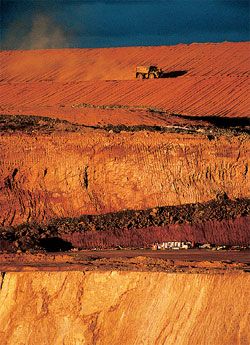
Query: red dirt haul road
(193, 261)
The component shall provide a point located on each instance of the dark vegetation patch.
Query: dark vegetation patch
(236, 123)
(45, 125)
(115, 106)
(30, 124)
(222, 209)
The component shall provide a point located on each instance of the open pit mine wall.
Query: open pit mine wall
(104, 308)
(95, 172)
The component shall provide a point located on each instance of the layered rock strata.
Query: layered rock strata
(94, 172)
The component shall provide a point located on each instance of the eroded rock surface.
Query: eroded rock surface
(129, 307)
(94, 172)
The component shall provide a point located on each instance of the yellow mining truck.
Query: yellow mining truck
(148, 72)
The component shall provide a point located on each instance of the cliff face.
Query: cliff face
(124, 307)
(95, 172)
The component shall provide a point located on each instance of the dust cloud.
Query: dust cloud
(44, 33)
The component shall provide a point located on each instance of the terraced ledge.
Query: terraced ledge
(218, 221)
(198, 261)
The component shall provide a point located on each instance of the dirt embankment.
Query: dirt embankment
(198, 81)
(140, 260)
(64, 65)
(137, 307)
(193, 96)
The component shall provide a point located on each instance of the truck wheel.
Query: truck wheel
(151, 76)
(139, 76)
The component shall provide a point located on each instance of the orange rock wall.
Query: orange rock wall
(94, 172)
(136, 308)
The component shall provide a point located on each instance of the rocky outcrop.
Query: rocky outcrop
(227, 232)
(129, 307)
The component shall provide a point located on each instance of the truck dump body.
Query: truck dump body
(148, 72)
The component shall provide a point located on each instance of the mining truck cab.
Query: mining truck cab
(148, 72)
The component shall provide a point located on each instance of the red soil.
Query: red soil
(65, 65)
(192, 261)
(44, 82)
(100, 117)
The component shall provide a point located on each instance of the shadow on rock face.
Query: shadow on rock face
(55, 244)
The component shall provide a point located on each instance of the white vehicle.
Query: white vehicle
(175, 245)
